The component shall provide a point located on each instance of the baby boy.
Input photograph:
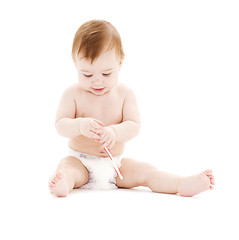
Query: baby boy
(99, 112)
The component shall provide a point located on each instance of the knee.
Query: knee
(75, 167)
(69, 160)
(72, 163)
(146, 171)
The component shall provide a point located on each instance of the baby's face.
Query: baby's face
(100, 76)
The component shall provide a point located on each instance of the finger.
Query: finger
(96, 126)
(103, 139)
(100, 136)
(106, 144)
(98, 132)
(99, 122)
(111, 145)
(93, 135)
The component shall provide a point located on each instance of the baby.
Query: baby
(99, 112)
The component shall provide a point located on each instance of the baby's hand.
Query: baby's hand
(108, 137)
(91, 128)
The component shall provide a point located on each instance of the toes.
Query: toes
(51, 180)
(205, 180)
(55, 179)
(208, 172)
(59, 175)
(52, 184)
(213, 182)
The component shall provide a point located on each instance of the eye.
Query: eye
(88, 76)
(106, 74)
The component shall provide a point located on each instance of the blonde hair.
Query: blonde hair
(93, 37)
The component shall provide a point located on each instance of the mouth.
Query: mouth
(98, 90)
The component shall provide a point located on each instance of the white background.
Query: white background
(182, 61)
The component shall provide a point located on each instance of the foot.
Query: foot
(58, 185)
(195, 184)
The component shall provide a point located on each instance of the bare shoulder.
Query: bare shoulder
(71, 91)
(125, 90)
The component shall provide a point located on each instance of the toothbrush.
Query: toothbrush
(114, 163)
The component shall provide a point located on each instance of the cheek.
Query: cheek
(83, 82)
(111, 82)
(113, 79)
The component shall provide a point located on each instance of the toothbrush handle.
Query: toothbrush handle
(114, 163)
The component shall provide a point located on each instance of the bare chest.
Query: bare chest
(107, 109)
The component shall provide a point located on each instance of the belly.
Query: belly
(89, 146)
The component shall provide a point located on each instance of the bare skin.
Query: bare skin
(99, 112)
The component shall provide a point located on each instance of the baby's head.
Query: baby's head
(95, 37)
(98, 54)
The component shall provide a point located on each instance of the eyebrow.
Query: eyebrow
(85, 71)
(109, 69)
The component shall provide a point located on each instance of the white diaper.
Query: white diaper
(101, 172)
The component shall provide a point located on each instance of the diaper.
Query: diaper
(102, 174)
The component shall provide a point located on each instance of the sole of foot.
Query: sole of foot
(196, 184)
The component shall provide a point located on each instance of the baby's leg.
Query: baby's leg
(142, 174)
(70, 173)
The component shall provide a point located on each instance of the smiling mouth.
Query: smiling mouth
(98, 90)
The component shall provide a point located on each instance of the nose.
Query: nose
(97, 80)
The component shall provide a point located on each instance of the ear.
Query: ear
(120, 63)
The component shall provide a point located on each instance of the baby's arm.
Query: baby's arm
(68, 126)
(130, 125)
